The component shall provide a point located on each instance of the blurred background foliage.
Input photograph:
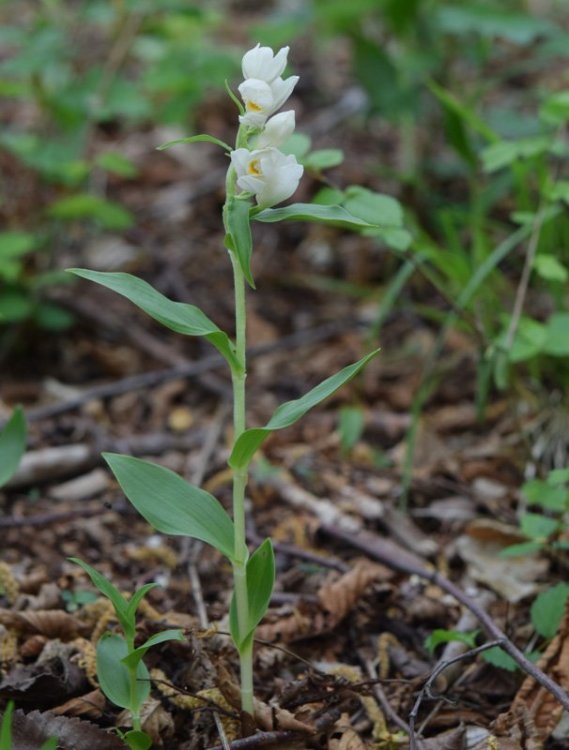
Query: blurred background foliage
(463, 124)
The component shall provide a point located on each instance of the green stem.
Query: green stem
(133, 684)
(239, 483)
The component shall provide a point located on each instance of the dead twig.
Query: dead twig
(426, 689)
(189, 370)
(47, 464)
(398, 559)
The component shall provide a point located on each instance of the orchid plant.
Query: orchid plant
(259, 176)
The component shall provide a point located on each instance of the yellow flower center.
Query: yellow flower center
(254, 168)
(252, 106)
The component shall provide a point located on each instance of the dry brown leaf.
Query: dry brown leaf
(91, 705)
(336, 600)
(53, 623)
(517, 726)
(350, 740)
(291, 625)
(267, 717)
(453, 739)
(30, 731)
(339, 598)
(156, 721)
(514, 578)
(540, 712)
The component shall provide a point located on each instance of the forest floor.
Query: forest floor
(365, 570)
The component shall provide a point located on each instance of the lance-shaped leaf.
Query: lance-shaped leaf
(172, 505)
(109, 590)
(135, 656)
(335, 215)
(290, 412)
(203, 137)
(239, 226)
(12, 445)
(178, 316)
(114, 676)
(260, 574)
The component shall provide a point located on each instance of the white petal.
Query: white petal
(257, 95)
(281, 175)
(260, 62)
(240, 158)
(253, 119)
(251, 184)
(281, 90)
(277, 130)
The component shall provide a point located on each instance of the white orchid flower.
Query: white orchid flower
(277, 130)
(262, 98)
(267, 173)
(263, 64)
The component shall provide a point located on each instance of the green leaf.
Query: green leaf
(440, 635)
(195, 139)
(538, 527)
(452, 104)
(519, 550)
(548, 495)
(135, 656)
(84, 206)
(335, 215)
(116, 163)
(559, 191)
(502, 154)
(12, 445)
(113, 595)
(239, 226)
(51, 744)
(260, 582)
(137, 740)
(350, 426)
(557, 335)
(491, 20)
(325, 158)
(548, 609)
(136, 598)
(291, 411)
(15, 306)
(298, 145)
(16, 244)
(172, 505)
(499, 658)
(555, 109)
(550, 268)
(114, 676)
(6, 728)
(376, 209)
(558, 476)
(178, 316)
(528, 341)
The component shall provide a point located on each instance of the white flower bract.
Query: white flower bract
(267, 173)
(263, 64)
(262, 98)
(277, 130)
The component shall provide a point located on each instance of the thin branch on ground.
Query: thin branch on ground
(396, 558)
(191, 369)
(426, 689)
(381, 698)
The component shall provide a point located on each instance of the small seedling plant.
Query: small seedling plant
(260, 175)
(121, 671)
